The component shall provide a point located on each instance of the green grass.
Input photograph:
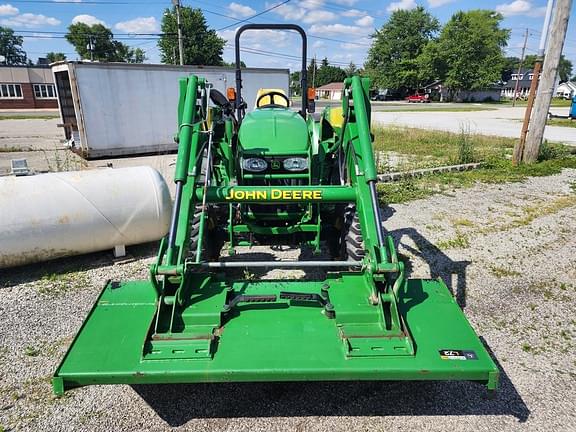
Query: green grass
(29, 117)
(436, 108)
(501, 272)
(424, 148)
(460, 241)
(562, 122)
(556, 102)
(435, 148)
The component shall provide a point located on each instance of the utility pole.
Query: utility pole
(520, 68)
(548, 79)
(180, 43)
(518, 154)
(314, 72)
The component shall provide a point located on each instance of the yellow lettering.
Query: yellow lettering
(240, 195)
(261, 195)
(286, 195)
(306, 195)
(276, 194)
(317, 195)
(230, 194)
(250, 195)
(297, 195)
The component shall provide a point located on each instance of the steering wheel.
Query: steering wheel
(272, 95)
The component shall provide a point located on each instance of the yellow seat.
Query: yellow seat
(267, 100)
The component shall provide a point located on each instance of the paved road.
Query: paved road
(504, 121)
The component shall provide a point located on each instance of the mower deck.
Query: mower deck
(285, 340)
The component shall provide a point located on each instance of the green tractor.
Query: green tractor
(274, 176)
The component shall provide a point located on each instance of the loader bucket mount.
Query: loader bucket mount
(198, 320)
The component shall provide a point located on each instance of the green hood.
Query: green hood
(273, 131)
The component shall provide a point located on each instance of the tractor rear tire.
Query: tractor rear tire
(210, 245)
(353, 242)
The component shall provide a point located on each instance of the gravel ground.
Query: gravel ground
(507, 252)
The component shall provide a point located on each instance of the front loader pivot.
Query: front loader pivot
(271, 176)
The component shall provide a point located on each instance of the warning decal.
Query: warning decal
(447, 354)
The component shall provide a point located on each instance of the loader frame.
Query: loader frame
(196, 320)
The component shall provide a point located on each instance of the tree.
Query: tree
(295, 83)
(327, 74)
(55, 56)
(564, 67)
(392, 58)
(509, 67)
(97, 42)
(201, 45)
(11, 47)
(351, 69)
(468, 55)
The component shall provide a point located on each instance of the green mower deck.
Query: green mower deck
(281, 341)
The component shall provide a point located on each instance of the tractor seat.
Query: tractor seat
(271, 98)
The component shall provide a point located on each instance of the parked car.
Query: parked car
(419, 98)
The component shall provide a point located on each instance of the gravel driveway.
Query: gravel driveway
(508, 252)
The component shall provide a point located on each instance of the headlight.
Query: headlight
(255, 164)
(295, 164)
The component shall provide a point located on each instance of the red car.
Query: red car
(419, 97)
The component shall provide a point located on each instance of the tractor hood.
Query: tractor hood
(268, 131)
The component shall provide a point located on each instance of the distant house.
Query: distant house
(27, 87)
(566, 90)
(524, 80)
(438, 91)
(332, 91)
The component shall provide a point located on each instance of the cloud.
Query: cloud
(87, 19)
(402, 4)
(240, 10)
(316, 16)
(438, 3)
(306, 11)
(520, 7)
(335, 29)
(260, 38)
(138, 25)
(353, 13)
(366, 21)
(345, 2)
(8, 9)
(318, 44)
(30, 20)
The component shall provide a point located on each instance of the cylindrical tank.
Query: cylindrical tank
(53, 215)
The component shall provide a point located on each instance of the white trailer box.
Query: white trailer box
(112, 109)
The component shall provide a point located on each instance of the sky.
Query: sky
(337, 29)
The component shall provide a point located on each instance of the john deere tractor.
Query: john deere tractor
(274, 176)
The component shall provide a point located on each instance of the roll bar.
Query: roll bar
(303, 73)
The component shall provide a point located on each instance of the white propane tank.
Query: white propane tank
(53, 215)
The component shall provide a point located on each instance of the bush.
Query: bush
(552, 151)
(465, 147)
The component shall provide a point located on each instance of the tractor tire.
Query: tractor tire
(210, 246)
(353, 243)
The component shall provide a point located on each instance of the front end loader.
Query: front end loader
(274, 176)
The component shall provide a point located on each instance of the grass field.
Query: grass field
(419, 148)
(556, 102)
(561, 122)
(29, 117)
